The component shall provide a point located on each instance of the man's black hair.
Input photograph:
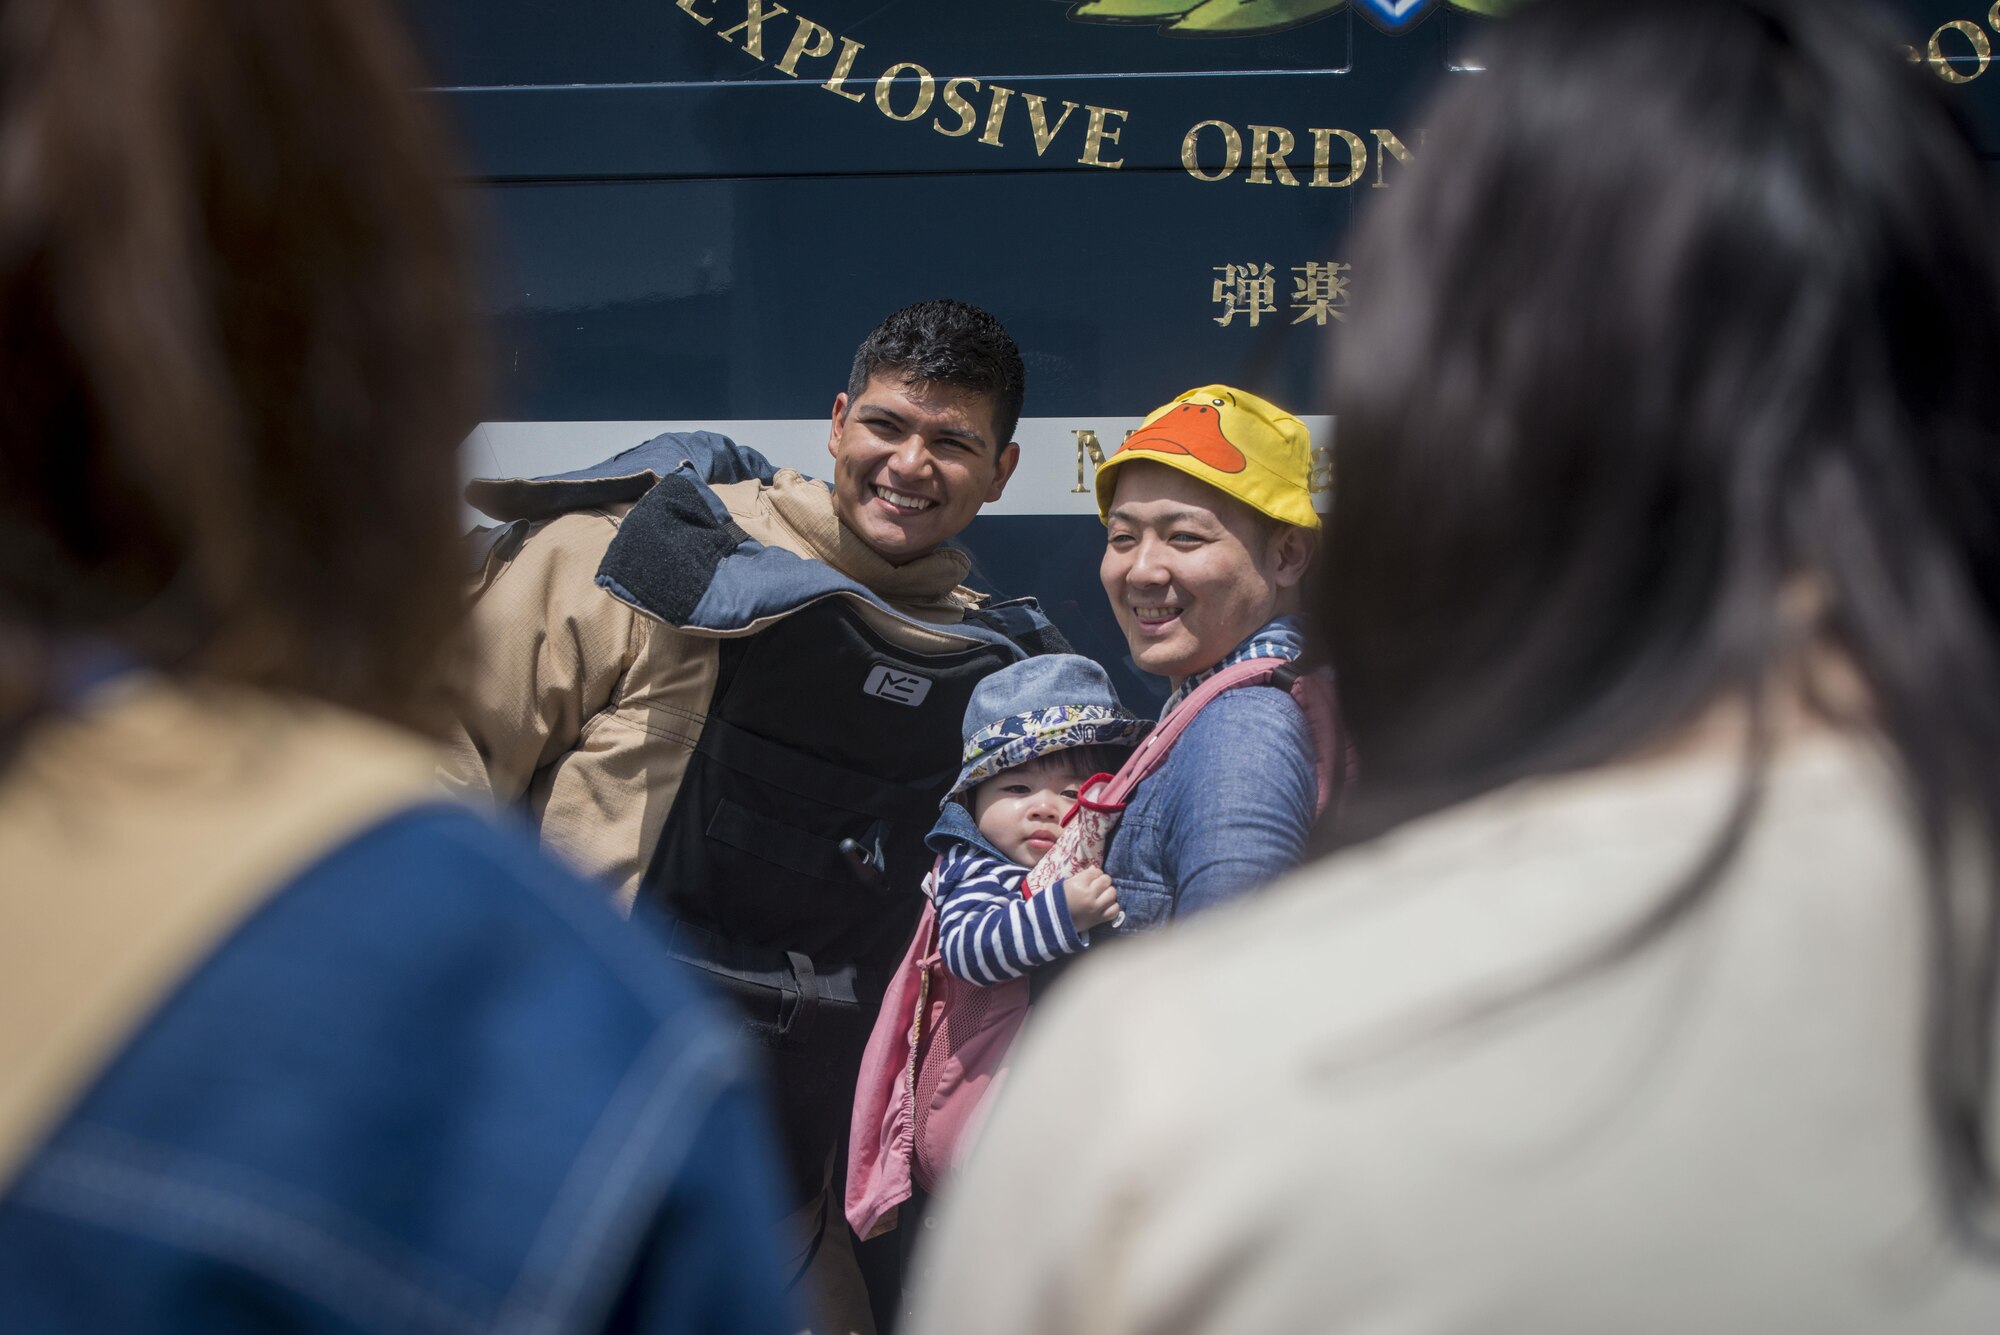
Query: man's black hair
(950, 343)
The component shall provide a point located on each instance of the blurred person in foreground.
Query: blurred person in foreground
(1653, 990)
(289, 1041)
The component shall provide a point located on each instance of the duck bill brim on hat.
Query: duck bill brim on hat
(1300, 513)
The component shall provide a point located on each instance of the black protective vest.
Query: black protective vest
(792, 858)
(820, 733)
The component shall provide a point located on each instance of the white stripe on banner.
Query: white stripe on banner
(1054, 477)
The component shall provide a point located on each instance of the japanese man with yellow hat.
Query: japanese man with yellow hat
(1209, 529)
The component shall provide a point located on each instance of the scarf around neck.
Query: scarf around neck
(805, 507)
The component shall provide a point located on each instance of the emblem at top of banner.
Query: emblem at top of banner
(1394, 15)
(1242, 18)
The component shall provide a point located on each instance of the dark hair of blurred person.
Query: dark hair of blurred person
(1650, 985)
(235, 363)
(291, 1041)
(1701, 412)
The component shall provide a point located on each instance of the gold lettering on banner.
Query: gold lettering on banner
(1232, 144)
(1271, 147)
(1982, 50)
(1321, 480)
(1319, 290)
(1038, 120)
(1357, 156)
(967, 117)
(755, 12)
(837, 82)
(1264, 156)
(1387, 145)
(1322, 291)
(1248, 290)
(994, 113)
(809, 40)
(1096, 136)
(1087, 447)
(821, 45)
(926, 90)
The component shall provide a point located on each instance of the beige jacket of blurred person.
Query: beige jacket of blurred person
(1272, 1123)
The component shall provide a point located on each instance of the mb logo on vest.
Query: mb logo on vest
(904, 688)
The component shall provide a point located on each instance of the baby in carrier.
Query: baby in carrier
(1034, 731)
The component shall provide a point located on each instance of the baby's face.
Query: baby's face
(1020, 810)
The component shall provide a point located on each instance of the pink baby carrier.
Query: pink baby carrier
(940, 1044)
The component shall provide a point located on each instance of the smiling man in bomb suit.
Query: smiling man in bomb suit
(735, 692)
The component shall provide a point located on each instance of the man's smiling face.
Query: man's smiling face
(913, 461)
(1190, 571)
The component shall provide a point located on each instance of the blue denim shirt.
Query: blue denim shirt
(432, 1085)
(1229, 810)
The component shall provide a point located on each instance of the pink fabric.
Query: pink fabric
(972, 1029)
(879, 1136)
(939, 1047)
(1332, 751)
(936, 1054)
(1086, 836)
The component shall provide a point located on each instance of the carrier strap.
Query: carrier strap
(1311, 691)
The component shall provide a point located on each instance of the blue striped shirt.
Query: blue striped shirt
(988, 933)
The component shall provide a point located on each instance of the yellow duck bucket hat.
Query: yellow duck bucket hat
(1233, 441)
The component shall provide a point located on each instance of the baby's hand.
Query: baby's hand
(1091, 897)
